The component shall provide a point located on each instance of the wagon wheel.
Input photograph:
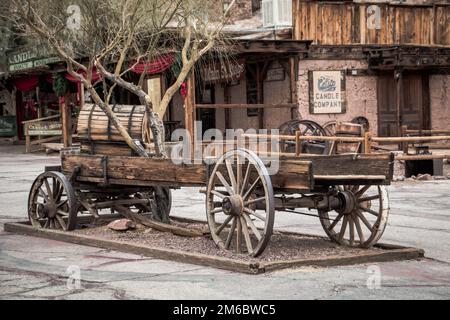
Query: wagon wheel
(306, 128)
(52, 203)
(240, 203)
(362, 218)
(362, 121)
(330, 128)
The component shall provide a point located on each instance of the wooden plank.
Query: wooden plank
(136, 168)
(360, 165)
(247, 106)
(164, 227)
(156, 252)
(255, 266)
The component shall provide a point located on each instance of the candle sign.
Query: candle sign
(327, 92)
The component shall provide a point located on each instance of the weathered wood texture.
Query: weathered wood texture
(94, 125)
(339, 22)
(292, 174)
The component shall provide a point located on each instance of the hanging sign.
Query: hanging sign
(224, 72)
(35, 57)
(327, 92)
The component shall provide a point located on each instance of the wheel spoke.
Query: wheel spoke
(361, 192)
(61, 212)
(364, 220)
(230, 234)
(60, 193)
(254, 213)
(343, 229)
(231, 175)
(238, 174)
(335, 222)
(55, 187)
(46, 224)
(59, 205)
(352, 230)
(252, 187)
(217, 193)
(249, 202)
(224, 224)
(246, 177)
(49, 190)
(43, 194)
(359, 230)
(252, 226)
(239, 235)
(248, 241)
(225, 183)
(216, 210)
(368, 210)
(375, 197)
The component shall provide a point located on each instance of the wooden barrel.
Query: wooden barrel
(94, 124)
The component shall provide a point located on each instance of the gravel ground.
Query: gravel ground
(281, 246)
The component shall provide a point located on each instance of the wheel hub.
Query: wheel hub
(233, 205)
(347, 202)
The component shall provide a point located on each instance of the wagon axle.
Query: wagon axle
(233, 205)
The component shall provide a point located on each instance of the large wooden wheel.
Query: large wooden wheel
(306, 128)
(362, 217)
(330, 128)
(240, 203)
(52, 203)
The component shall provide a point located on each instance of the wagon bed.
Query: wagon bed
(295, 173)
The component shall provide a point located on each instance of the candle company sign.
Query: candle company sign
(327, 92)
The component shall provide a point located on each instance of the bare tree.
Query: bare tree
(110, 33)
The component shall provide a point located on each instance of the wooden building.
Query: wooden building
(393, 58)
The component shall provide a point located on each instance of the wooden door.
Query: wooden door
(416, 112)
(414, 107)
(387, 109)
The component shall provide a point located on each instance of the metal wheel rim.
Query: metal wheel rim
(254, 239)
(360, 218)
(52, 203)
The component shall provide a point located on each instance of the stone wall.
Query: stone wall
(361, 92)
(440, 101)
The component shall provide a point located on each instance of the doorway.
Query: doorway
(415, 105)
(206, 115)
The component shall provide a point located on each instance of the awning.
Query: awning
(26, 83)
(155, 66)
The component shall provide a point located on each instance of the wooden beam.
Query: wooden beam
(189, 109)
(227, 100)
(246, 106)
(66, 120)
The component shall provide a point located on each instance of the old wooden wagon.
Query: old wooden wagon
(346, 191)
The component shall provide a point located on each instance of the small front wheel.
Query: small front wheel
(52, 203)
